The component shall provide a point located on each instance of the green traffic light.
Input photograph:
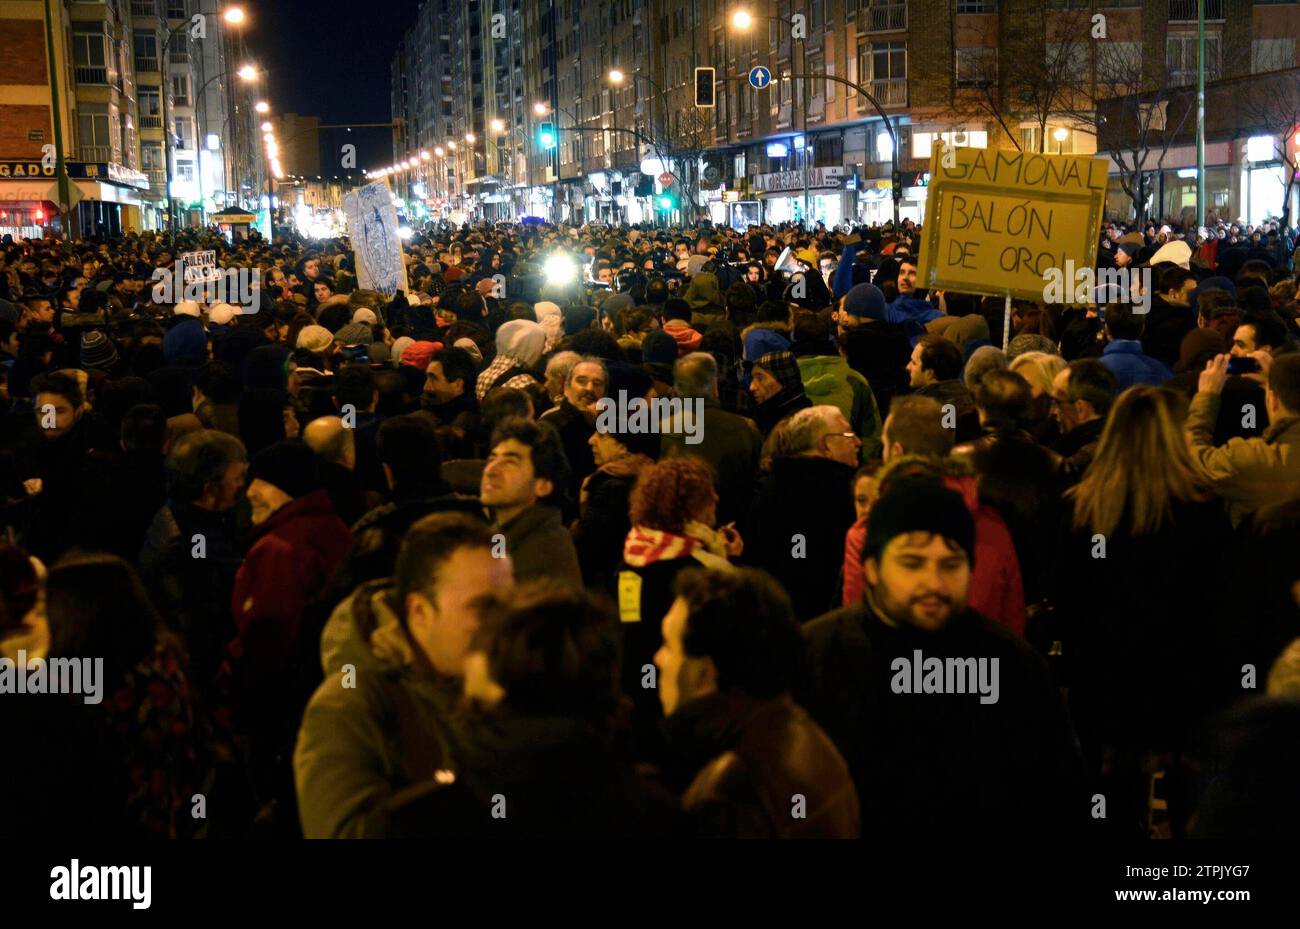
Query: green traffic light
(665, 203)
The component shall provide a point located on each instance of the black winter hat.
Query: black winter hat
(919, 504)
(289, 464)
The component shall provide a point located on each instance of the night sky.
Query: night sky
(330, 58)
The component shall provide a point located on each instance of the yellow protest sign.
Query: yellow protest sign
(996, 222)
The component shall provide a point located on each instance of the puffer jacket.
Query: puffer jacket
(383, 720)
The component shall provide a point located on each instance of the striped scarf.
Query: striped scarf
(647, 546)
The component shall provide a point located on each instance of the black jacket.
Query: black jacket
(774, 409)
(795, 529)
(532, 776)
(936, 763)
(575, 432)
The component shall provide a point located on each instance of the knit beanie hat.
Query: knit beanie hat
(97, 350)
(919, 504)
(419, 354)
(865, 300)
(365, 315)
(763, 341)
(289, 464)
(355, 334)
(783, 367)
(315, 339)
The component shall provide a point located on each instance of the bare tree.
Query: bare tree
(1139, 117)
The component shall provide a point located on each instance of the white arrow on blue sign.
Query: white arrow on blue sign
(759, 77)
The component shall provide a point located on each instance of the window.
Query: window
(976, 67)
(830, 85)
(883, 68)
(977, 6)
(181, 89)
(1067, 61)
(828, 152)
(1272, 54)
(1180, 58)
(146, 50)
(93, 126)
(176, 9)
(1119, 62)
(185, 171)
(151, 156)
(182, 132)
(923, 142)
(88, 49)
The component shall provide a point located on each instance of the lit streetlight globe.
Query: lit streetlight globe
(267, 127)
(263, 107)
(741, 19)
(616, 76)
(235, 15)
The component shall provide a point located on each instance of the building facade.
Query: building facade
(134, 81)
(861, 92)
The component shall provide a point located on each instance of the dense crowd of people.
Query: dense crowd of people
(875, 560)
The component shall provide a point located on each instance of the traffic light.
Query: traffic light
(666, 202)
(704, 80)
(546, 137)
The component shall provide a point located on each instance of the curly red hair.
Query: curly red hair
(671, 493)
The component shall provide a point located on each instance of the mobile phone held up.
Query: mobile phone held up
(1242, 364)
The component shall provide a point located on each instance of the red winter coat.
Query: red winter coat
(293, 554)
(995, 586)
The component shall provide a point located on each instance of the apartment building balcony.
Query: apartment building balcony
(890, 91)
(1184, 11)
(91, 75)
(143, 8)
(157, 179)
(146, 65)
(98, 154)
(891, 17)
(151, 122)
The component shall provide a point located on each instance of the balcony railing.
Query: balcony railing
(91, 75)
(101, 154)
(143, 8)
(890, 91)
(150, 122)
(887, 17)
(1184, 11)
(145, 64)
(157, 179)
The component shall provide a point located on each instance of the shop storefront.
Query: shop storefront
(112, 198)
(782, 194)
(28, 195)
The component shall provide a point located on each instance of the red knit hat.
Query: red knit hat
(419, 354)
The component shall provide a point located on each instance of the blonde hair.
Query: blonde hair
(1039, 369)
(1141, 469)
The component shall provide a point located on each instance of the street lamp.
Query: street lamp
(234, 15)
(470, 138)
(1061, 134)
(247, 73)
(267, 127)
(262, 107)
(541, 108)
(742, 20)
(615, 76)
(498, 125)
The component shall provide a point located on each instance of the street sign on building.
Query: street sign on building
(665, 179)
(759, 77)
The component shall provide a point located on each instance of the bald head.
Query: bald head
(331, 441)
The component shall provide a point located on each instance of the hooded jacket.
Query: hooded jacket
(388, 726)
(828, 379)
(706, 301)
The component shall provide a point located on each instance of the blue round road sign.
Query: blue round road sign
(759, 77)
